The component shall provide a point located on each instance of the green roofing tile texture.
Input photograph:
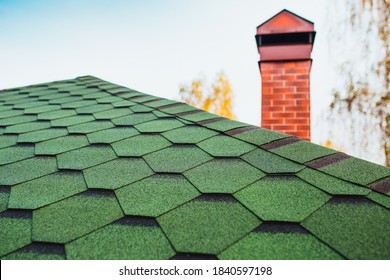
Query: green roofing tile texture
(258, 136)
(46, 190)
(41, 135)
(357, 228)
(271, 163)
(134, 119)
(27, 169)
(356, 170)
(38, 251)
(85, 157)
(155, 195)
(271, 199)
(176, 159)
(140, 145)
(111, 135)
(207, 226)
(331, 184)
(189, 134)
(116, 173)
(15, 153)
(27, 127)
(159, 125)
(302, 151)
(85, 212)
(93, 170)
(7, 140)
(283, 245)
(220, 176)
(122, 240)
(61, 145)
(225, 146)
(90, 127)
(15, 231)
(4, 196)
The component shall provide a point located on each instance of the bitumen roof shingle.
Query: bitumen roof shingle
(93, 170)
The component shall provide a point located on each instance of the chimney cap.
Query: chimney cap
(285, 36)
(285, 22)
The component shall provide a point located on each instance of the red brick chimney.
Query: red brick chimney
(285, 42)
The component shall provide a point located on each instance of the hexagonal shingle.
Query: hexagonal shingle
(189, 134)
(85, 157)
(52, 115)
(38, 251)
(27, 169)
(159, 125)
(124, 239)
(302, 151)
(140, 145)
(271, 163)
(225, 146)
(111, 135)
(112, 113)
(68, 121)
(264, 244)
(208, 225)
(356, 227)
(75, 216)
(331, 184)
(260, 136)
(4, 197)
(223, 176)
(16, 153)
(15, 228)
(17, 120)
(90, 127)
(116, 173)
(7, 140)
(282, 199)
(26, 127)
(155, 195)
(356, 170)
(176, 159)
(134, 119)
(60, 145)
(41, 135)
(93, 108)
(46, 190)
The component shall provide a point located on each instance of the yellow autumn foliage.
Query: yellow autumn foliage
(217, 100)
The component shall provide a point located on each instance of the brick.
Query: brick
(273, 108)
(297, 121)
(297, 95)
(283, 115)
(303, 102)
(302, 89)
(272, 84)
(302, 77)
(297, 108)
(303, 127)
(297, 84)
(303, 114)
(283, 127)
(297, 71)
(284, 77)
(284, 102)
(272, 71)
(283, 89)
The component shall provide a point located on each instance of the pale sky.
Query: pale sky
(154, 46)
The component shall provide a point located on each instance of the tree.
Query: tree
(364, 97)
(217, 99)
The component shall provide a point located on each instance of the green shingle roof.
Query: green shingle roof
(93, 170)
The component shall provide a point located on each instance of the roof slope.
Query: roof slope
(93, 170)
